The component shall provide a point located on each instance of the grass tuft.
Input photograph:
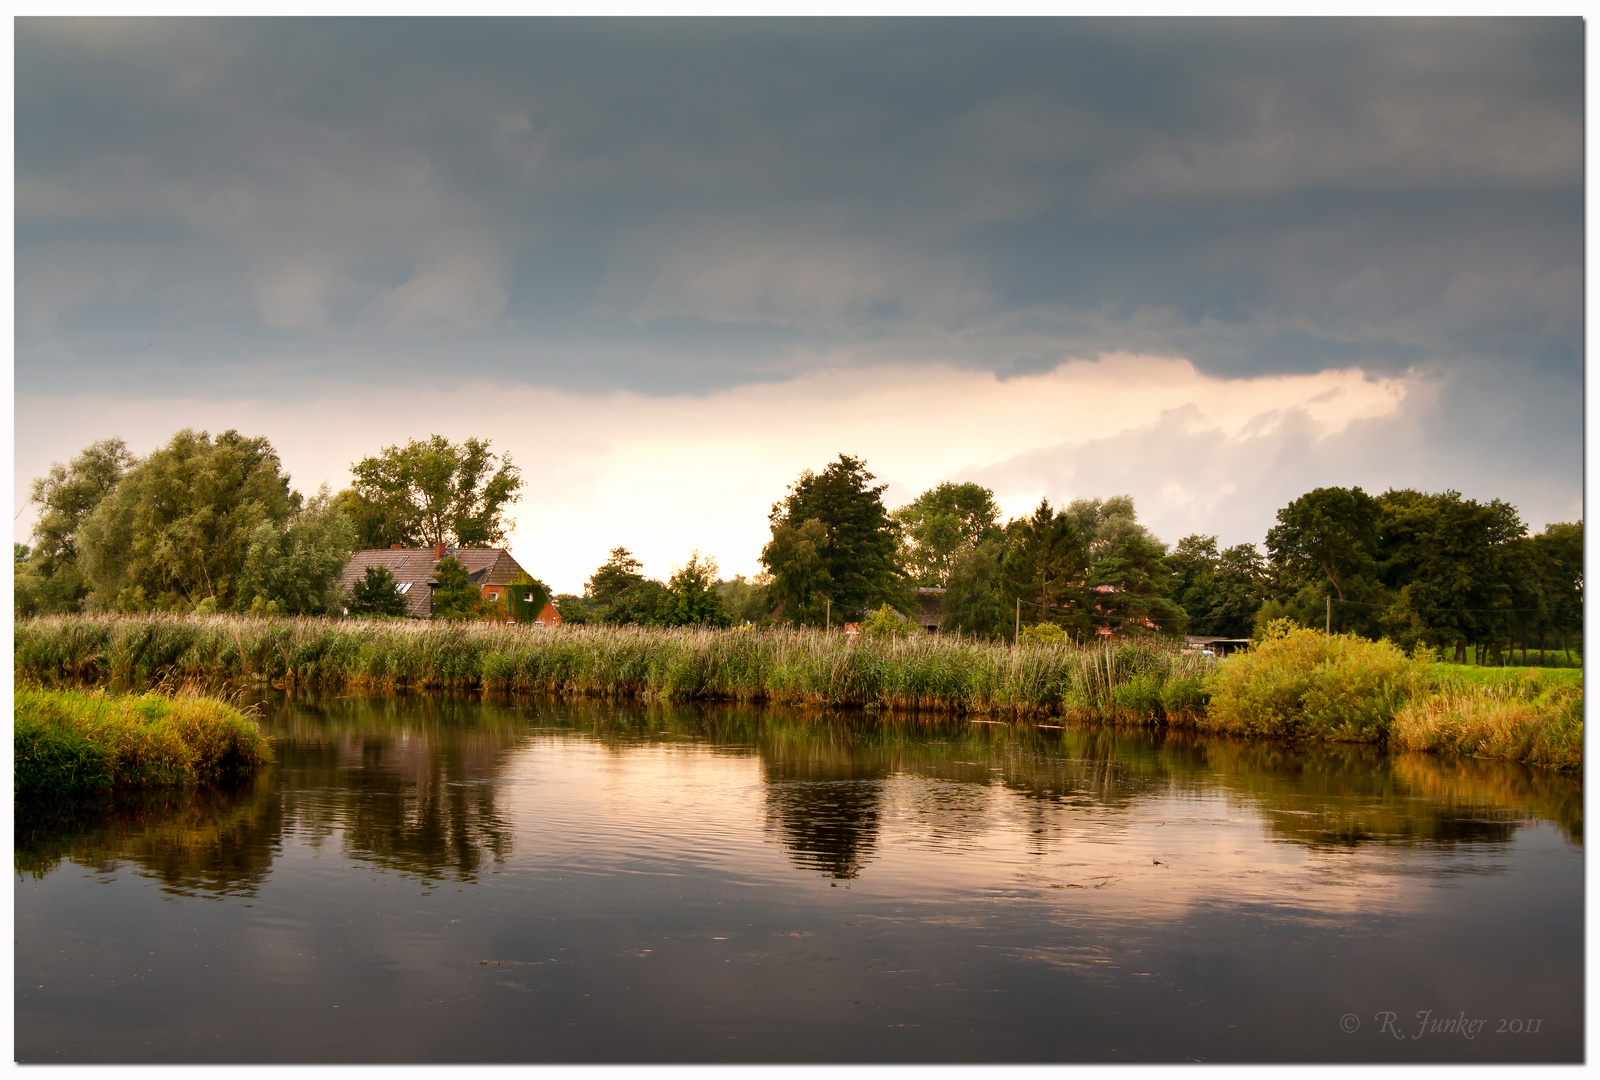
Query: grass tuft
(70, 742)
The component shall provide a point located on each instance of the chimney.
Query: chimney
(438, 552)
(396, 547)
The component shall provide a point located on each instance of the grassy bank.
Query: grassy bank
(1137, 681)
(1299, 684)
(71, 741)
(1304, 684)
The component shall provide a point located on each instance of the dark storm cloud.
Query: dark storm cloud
(663, 206)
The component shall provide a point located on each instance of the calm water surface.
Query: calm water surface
(461, 881)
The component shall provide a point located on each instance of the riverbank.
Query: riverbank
(1298, 684)
(69, 742)
(1142, 681)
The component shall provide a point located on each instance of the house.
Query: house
(930, 609)
(491, 569)
(1215, 646)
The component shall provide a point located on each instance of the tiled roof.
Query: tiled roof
(413, 571)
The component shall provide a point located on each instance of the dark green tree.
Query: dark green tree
(1133, 585)
(859, 554)
(1045, 568)
(1455, 566)
(433, 492)
(1325, 557)
(455, 597)
(973, 600)
(1560, 566)
(800, 586)
(375, 594)
(619, 594)
(1240, 586)
(574, 610)
(939, 525)
(691, 598)
(1219, 592)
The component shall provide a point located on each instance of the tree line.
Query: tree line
(212, 524)
(1437, 570)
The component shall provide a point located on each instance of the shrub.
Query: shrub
(1042, 634)
(886, 622)
(1298, 682)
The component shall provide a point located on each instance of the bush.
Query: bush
(886, 622)
(1304, 683)
(1042, 634)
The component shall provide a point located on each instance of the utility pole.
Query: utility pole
(1018, 635)
(828, 617)
(1327, 627)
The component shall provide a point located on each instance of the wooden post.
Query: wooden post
(1017, 636)
(1327, 627)
(828, 618)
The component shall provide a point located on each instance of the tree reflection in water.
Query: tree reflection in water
(825, 799)
(410, 784)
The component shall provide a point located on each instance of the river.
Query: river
(448, 879)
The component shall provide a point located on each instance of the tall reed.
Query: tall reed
(1139, 681)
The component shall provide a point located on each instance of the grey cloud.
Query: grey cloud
(691, 204)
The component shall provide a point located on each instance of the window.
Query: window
(528, 599)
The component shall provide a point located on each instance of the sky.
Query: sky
(667, 265)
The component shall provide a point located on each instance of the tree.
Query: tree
(298, 567)
(691, 598)
(1045, 565)
(1240, 588)
(66, 496)
(1219, 593)
(887, 623)
(433, 492)
(526, 597)
(1102, 522)
(177, 527)
(1329, 533)
(1560, 567)
(455, 597)
(574, 610)
(1455, 564)
(1133, 584)
(973, 603)
(800, 582)
(375, 594)
(1194, 579)
(858, 555)
(619, 593)
(746, 601)
(939, 525)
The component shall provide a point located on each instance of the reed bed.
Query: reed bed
(69, 741)
(1505, 721)
(1139, 682)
